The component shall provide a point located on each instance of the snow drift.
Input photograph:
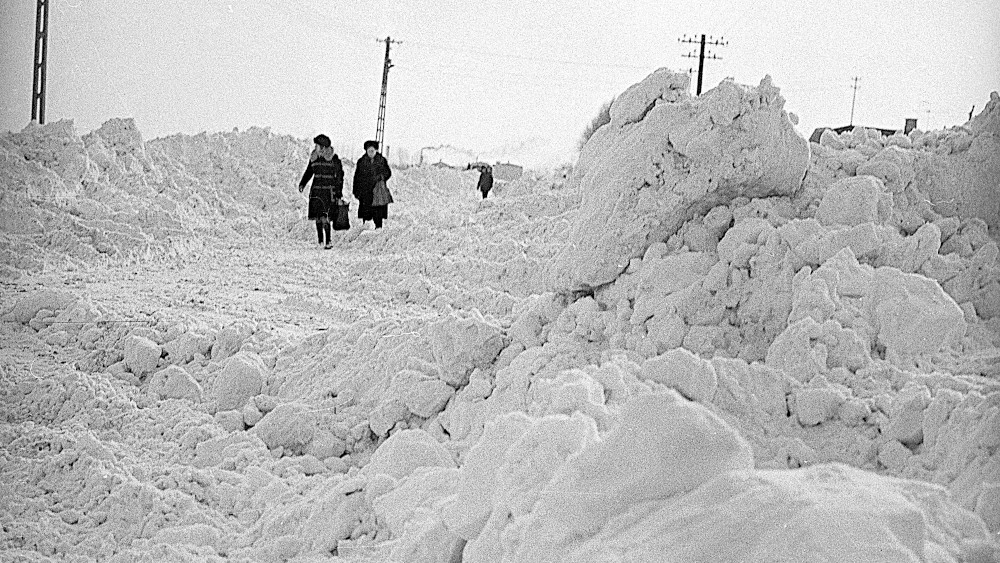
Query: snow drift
(666, 157)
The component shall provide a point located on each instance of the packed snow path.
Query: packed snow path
(82, 379)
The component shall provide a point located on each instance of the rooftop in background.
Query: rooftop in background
(910, 125)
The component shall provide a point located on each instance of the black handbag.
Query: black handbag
(341, 217)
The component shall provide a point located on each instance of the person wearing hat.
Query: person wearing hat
(327, 176)
(371, 168)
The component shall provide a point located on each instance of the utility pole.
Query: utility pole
(380, 127)
(971, 111)
(38, 68)
(721, 42)
(853, 96)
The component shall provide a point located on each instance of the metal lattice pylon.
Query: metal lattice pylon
(38, 70)
(380, 127)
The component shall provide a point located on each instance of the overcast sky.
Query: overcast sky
(484, 76)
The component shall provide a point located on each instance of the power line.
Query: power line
(494, 76)
(721, 42)
(525, 57)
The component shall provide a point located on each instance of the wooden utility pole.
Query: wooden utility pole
(853, 96)
(380, 126)
(721, 42)
(38, 68)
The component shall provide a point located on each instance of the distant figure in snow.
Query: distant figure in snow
(371, 168)
(485, 179)
(327, 176)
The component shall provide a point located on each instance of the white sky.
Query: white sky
(488, 75)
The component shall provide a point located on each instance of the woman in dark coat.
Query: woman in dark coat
(371, 168)
(327, 176)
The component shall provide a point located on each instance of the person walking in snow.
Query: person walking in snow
(372, 168)
(485, 179)
(327, 174)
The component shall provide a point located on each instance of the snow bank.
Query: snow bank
(959, 169)
(665, 157)
(111, 195)
(771, 516)
(674, 482)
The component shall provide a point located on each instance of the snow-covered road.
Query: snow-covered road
(712, 341)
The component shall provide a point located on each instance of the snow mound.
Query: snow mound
(240, 379)
(404, 452)
(665, 157)
(141, 355)
(953, 172)
(854, 201)
(775, 516)
(462, 344)
(45, 302)
(174, 382)
(959, 169)
(861, 308)
(672, 481)
(664, 446)
(110, 195)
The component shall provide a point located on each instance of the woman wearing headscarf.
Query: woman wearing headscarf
(327, 176)
(371, 168)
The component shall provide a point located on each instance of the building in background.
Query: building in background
(507, 171)
(910, 125)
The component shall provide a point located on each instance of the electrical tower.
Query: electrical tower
(853, 97)
(380, 127)
(38, 68)
(721, 42)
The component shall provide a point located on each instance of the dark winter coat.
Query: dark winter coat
(366, 173)
(485, 180)
(327, 175)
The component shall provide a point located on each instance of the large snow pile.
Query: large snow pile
(715, 341)
(666, 157)
(109, 194)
